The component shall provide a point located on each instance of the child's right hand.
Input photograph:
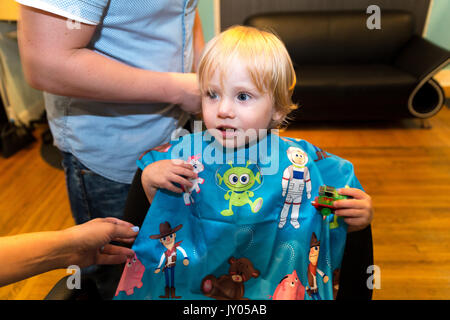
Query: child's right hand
(164, 173)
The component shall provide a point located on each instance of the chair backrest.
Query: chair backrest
(338, 37)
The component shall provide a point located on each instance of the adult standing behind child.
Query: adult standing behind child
(117, 80)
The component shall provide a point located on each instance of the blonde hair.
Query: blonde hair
(268, 64)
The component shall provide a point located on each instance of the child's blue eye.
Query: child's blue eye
(243, 97)
(212, 95)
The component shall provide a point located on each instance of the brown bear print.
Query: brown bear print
(230, 286)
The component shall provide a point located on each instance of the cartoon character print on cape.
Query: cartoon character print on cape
(131, 276)
(168, 260)
(234, 247)
(239, 180)
(295, 177)
(198, 167)
(230, 286)
(289, 288)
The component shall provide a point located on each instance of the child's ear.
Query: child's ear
(277, 116)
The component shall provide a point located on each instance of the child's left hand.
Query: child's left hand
(357, 212)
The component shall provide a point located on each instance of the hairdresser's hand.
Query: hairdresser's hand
(188, 94)
(164, 173)
(357, 212)
(89, 243)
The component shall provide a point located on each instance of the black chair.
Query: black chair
(358, 256)
(346, 71)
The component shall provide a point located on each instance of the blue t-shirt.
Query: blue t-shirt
(246, 229)
(153, 35)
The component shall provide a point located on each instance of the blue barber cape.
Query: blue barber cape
(230, 242)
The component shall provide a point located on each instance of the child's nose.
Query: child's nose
(226, 109)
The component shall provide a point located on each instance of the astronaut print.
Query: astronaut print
(295, 177)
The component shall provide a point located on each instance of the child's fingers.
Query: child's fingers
(169, 186)
(182, 171)
(187, 166)
(182, 163)
(351, 203)
(180, 180)
(351, 213)
(177, 162)
(353, 192)
(355, 224)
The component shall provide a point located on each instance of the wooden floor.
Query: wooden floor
(404, 168)
(32, 198)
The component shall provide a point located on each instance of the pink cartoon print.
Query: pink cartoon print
(289, 288)
(131, 276)
(198, 167)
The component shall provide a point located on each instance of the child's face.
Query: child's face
(237, 106)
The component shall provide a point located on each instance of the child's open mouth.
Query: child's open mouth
(227, 131)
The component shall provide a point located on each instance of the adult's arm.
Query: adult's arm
(29, 254)
(199, 39)
(55, 59)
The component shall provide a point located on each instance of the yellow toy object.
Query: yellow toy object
(9, 10)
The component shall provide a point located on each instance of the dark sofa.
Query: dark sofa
(347, 72)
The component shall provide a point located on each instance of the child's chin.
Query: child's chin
(236, 142)
(231, 143)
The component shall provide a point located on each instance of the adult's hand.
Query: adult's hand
(89, 243)
(29, 254)
(189, 97)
